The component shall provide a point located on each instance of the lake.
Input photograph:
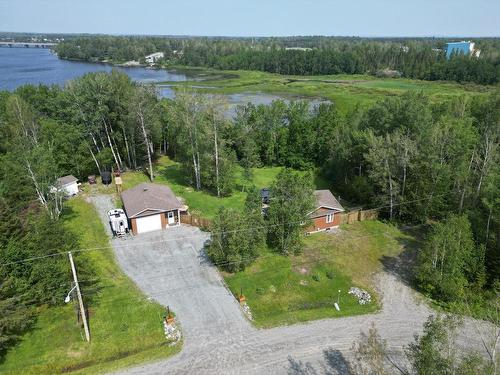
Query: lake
(20, 66)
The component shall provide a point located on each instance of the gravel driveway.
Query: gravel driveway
(170, 266)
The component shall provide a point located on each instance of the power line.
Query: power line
(97, 289)
(108, 247)
(217, 264)
(198, 285)
(244, 259)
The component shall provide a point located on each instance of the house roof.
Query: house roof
(148, 197)
(66, 180)
(325, 198)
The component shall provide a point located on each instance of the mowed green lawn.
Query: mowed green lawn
(201, 202)
(126, 328)
(284, 290)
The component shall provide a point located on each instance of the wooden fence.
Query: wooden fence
(345, 218)
(358, 215)
(195, 220)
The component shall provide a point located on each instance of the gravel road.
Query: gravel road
(171, 267)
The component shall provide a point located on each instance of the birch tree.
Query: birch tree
(384, 169)
(144, 113)
(191, 131)
(450, 261)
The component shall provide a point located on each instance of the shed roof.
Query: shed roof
(325, 198)
(66, 180)
(149, 197)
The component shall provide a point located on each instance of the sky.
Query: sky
(254, 17)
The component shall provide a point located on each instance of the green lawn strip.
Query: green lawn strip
(125, 327)
(284, 290)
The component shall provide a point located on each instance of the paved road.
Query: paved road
(170, 266)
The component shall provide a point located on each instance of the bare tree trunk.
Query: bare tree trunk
(110, 144)
(95, 160)
(216, 159)
(29, 132)
(127, 146)
(39, 192)
(391, 203)
(102, 142)
(191, 123)
(488, 225)
(198, 169)
(487, 152)
(147, 143)
(116, 149)
(462, 196)
(95, 142)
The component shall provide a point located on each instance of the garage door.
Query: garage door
(148, 223)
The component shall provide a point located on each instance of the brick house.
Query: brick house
(326, 215)
(151, 207)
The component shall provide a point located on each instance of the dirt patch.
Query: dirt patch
(302, 270)
(74, 353)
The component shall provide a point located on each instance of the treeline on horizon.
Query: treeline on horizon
(417, 58)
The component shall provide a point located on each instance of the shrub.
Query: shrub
(329, 274)
(316, 277)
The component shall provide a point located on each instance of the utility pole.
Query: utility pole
(80, 300)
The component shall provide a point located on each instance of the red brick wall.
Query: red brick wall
(134, 226)
(319, 223)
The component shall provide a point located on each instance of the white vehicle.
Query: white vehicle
(118, 222)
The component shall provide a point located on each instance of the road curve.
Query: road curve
(219, 340)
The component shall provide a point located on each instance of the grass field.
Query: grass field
(346, 91)
(285, 290)
(201, 202)
(126, 328)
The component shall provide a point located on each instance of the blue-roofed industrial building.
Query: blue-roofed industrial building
(461, 48)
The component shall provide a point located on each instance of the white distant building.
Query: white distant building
(466, 48)
(154, 57)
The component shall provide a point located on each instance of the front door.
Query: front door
(171, 218)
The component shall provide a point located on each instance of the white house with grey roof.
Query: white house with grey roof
(151, 207)
(67, 185)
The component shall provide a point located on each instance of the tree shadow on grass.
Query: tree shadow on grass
(403, 265)
(174, 174)
(334, 364)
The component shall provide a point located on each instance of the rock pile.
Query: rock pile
(172, 333)
(246, 310)
(362, 295)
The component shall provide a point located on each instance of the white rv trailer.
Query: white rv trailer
(118, 222)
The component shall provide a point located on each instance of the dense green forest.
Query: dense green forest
(420, 58)
(416, 160)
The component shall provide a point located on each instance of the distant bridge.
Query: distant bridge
(27, 44)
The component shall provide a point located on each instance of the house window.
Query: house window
(329, 218)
